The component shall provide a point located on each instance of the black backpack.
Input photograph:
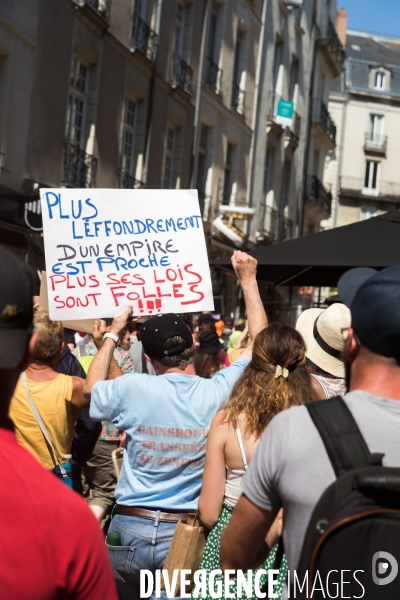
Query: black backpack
(353, 537)
(86, 434)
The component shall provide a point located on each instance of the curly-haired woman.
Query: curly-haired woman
(275, 379)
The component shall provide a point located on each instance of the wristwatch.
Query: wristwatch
(112, 336)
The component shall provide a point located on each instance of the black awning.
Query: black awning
(321, 258)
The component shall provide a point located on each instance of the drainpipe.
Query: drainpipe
(193, 166)
(257, 103)
(307, 128)
(149, 122)
(339, 169)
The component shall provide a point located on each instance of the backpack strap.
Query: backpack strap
(343, 441)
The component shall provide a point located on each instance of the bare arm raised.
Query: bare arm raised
(246, 268)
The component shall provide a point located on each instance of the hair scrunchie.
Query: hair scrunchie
(281, 372)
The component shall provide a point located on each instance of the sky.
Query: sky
(376, 16)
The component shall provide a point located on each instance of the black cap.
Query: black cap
(375, 309)
(160, 328)
(205, 318)
(209, 343)
(16, 308)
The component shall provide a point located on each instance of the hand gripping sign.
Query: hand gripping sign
(108, 248)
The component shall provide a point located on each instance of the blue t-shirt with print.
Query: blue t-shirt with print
(166, 418)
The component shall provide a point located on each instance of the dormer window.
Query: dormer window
(380, 80)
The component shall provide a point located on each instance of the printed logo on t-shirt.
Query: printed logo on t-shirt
(171, 446)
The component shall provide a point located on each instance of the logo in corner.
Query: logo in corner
(384, 568)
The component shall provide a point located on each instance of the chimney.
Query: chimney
(341, 25)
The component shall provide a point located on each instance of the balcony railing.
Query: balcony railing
(321, 115)
(182, 74)
(79, 167)
(296, 124)
(269, 222)
(317, 192)
(335, 43)
(103, 7)
(128, 182)
(205, 205)
(273, 105)
(144, 38)
(237, 98)
(331, 44)
(384, 190)
(287, 229)
(375, 142)
(213, 78)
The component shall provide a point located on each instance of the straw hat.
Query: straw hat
(321, 330)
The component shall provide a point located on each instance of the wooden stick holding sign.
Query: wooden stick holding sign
(106, 249)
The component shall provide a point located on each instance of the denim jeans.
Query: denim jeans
(144, 545)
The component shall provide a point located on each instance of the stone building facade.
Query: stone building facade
(226, 96)
(363, 174)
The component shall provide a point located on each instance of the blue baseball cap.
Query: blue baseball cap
(374, 302)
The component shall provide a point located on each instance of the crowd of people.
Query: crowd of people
(214, 420)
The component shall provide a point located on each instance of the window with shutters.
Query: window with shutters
(371, 178)
(77, 99)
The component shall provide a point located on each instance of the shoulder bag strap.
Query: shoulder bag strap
(41, 424)
(344, 443)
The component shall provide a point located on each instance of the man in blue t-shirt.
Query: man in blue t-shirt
(166, 419)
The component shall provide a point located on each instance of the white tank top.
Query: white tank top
(233, 489)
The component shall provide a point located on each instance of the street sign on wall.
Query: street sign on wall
(284, 113)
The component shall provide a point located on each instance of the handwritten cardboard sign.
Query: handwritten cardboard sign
(85, 325)
(106, 249)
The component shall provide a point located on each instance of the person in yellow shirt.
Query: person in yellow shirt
(59, 398)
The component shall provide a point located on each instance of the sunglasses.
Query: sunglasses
(345, 335)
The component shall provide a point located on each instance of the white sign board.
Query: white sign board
(107, 249)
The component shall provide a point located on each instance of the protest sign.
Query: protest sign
(107, 249)
(85, 325)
